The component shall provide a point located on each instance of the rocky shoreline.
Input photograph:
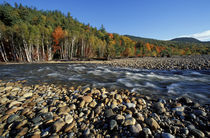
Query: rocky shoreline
(59, 111)
(192, 62)
(201, 62)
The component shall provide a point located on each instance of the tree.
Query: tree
(58, 34)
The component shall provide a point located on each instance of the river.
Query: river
(156, 83)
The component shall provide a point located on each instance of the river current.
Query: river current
(157, 83)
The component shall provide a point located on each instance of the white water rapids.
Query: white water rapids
(175, 83)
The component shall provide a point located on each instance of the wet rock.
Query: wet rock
(130, 121)
(167, 135)
(136, 128)
(152, 123)
(87, 99)
(197, 133)
(57, 126)
(109, 113)
(113, 124)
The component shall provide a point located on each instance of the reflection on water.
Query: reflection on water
(195, 84)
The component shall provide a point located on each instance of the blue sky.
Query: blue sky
(159, 19)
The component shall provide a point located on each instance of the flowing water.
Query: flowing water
(158, 83)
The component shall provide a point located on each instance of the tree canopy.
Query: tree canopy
(31, 35)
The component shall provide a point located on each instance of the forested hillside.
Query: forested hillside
(31, 35)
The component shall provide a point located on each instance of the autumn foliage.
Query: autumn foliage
(58, 34)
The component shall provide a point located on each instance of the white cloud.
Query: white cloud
(203, 36)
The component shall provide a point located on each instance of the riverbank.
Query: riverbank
(198, 62)
(48, 110)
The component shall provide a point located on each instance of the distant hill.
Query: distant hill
(186, 39)
(175, 41)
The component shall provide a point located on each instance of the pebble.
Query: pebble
(53, 111)
(180, 109)
(68, 118)
(12, 118)
(200, 113)
(152, 123)
(147, 131)
(22, 132)
(22, 123)
(130, 105)
(87, 99)
(197, 133)
(14, 103)
(160, 108)
(113, 124)
(58, 125)
(136, 128)
(167, 135)
(109, 113)
(93, 104)
(69, 127)
(26, 95)
(130, 121)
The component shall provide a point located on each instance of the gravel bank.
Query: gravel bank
(198, 62)
(52, 111)
(164, 63)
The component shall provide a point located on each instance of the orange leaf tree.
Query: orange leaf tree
(58, 34)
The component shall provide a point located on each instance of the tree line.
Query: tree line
(31, 35)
